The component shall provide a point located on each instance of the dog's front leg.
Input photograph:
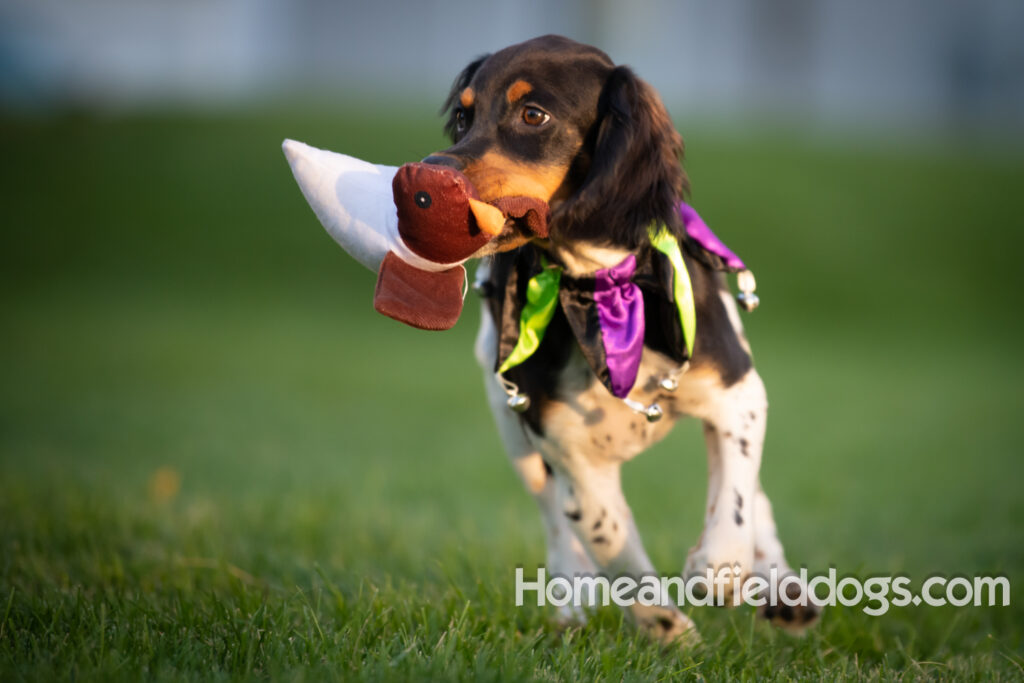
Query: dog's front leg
(565, 554)
(734, 427)
(591, 499)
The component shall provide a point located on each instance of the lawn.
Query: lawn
(218, 463)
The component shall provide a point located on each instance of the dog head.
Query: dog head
(556, 120)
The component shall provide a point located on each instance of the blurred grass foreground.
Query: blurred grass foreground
(216, 461)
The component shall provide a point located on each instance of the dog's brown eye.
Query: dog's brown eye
(460, 120)
(533, 116)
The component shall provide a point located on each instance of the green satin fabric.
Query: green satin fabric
(541, 301)
(663, 241)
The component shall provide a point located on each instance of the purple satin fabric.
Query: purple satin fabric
(620, 310)
(699, 231)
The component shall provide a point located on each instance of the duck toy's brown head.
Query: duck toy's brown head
(415, 225)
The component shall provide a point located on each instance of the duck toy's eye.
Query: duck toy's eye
(423, 199)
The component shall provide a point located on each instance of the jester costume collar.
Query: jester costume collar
(608, 312)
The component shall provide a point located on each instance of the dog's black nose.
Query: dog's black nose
(444, 160)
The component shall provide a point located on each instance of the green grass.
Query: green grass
(172, 313)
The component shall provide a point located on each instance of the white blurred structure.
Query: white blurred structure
(882, 62)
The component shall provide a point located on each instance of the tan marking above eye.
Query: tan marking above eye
(517, 90)
(467, 97)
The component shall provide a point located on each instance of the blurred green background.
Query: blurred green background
(196, 389)
(218, 462)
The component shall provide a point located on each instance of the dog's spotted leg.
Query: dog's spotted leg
(591, 499)
(734, 426)
(565, 554)
(769, 556)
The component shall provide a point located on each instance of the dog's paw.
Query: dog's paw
(797, 618)
(729, 568)
(794, 619)
(667, 625)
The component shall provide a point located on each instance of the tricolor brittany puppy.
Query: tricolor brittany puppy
(586, 338)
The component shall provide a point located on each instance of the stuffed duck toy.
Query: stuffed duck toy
(415, 225)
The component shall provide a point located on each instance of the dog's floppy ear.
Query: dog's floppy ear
(634, 176)
(461, 83)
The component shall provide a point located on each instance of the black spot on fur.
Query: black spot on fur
(665, 623)
(615, 526)
(597, 524)
(786, 613)
(738, 518)
(547, 468)
(744, 445)
(575, 515)
(739, 498)
(599, 539)
(753, 415)
(769, 612)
